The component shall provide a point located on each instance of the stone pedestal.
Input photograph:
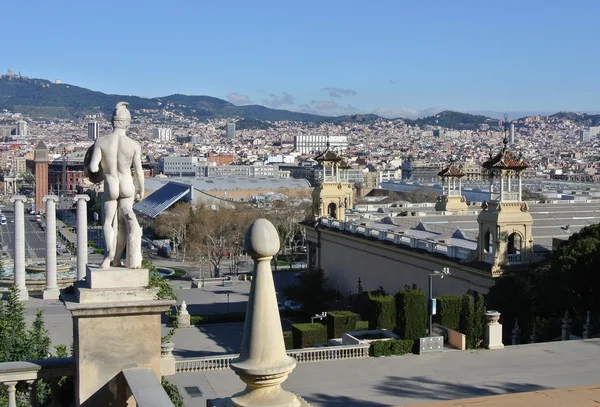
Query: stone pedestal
(116, 325)
(184, 318)
(493, 331)
(263, 363)
(452, 203)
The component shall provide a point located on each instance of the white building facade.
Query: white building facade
(313, 144)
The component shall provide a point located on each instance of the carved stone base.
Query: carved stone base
(116, 325)
(451, 204)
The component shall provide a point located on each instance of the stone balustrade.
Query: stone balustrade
(13, 373)
(398, 238)
(306, 355)
(145, 388)
(513, 258)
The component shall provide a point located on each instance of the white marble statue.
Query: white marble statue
(111, 160)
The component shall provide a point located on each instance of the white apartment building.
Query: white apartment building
(177, 166)
(246, 171)
(312, 144)
(21, 128)
(162, 134)
(93, 130)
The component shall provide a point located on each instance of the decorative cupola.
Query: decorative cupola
(334, 194)
(505, 238)
(451, 198)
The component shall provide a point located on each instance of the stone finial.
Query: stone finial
(533, 337)
(261, 240)
(516, 336)
(566, 327)
(263, 363)
(587, 327)
(184, 308)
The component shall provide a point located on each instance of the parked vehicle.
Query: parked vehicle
(292, 305)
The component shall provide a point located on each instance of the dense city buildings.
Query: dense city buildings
(311, 144)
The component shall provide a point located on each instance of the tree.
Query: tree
(311, 291)
(479, 316)
(467, 321)
(174, 225)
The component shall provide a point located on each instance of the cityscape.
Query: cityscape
(300, 205)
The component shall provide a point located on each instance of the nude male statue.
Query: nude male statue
(112, 158)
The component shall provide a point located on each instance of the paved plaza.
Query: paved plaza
(411, 379)
(369, 382)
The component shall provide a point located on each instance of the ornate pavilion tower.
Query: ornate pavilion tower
(505, 238)
(451, 198)
(334, 194)
(41, 159)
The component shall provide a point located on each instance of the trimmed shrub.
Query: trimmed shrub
(391, 347)
(448, 311)
(339, 322)
(479, 317)
(411, 314)
(288, 340)
(217, 318)
(382, 312)
(308, 335)
(362, 325)
(467, 325)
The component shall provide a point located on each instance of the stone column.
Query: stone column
(82, 235)
(263, 363)
(51, 291)
(501, 185)
(19, 260)
(460, 186)
(519, 186)
(493, 331)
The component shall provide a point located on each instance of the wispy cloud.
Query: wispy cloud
(238, 99)
(324, 104)
(406, 113)
(275, 101)
(339, 92)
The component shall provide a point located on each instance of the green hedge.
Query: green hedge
(362, 325)
(382, 312)
(467, 321)
(448, 311)
(218, 318)
(391, 347)
(411, 314)
(479, 317)
(339, 322)
(288, 340)
(308, 335)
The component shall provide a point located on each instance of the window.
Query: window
(514, 243)
(487, 242)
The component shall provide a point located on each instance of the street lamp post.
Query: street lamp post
(432, 303)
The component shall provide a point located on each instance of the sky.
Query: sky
(329, 57)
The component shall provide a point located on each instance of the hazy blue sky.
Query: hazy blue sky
(331, 57)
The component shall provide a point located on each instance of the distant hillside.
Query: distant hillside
(45, 99)
(582, 119)
(456, 120)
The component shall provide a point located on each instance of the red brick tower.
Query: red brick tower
(41, 159)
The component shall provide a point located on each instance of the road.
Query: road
(35, 236)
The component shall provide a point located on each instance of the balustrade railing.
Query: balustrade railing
(513, 258)
(146, 388)
(301, 355)
(52, 370)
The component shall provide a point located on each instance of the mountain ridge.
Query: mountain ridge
(41, 98)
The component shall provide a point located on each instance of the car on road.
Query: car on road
(292, 305)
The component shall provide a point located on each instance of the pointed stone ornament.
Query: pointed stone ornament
(516, 337)
(587, 327)
(263, 363)
(533, 336)
(566, 327)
